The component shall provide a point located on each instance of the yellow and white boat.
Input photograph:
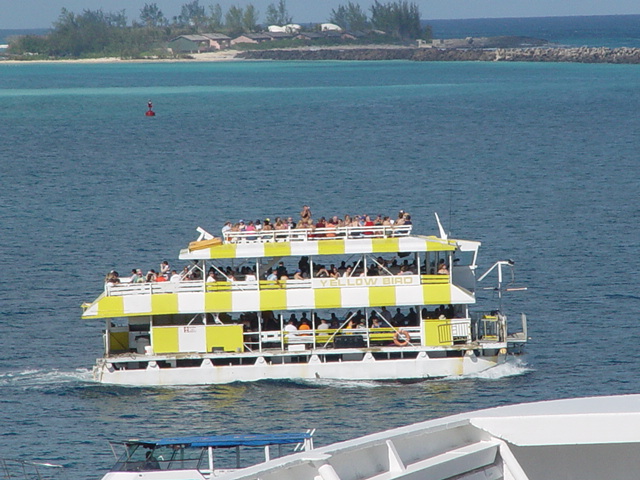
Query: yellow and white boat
(197, 332)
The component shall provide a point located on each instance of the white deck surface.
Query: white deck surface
(587, 438)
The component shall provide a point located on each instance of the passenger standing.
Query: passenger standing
(165, 270)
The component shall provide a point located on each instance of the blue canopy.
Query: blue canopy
(227, 441)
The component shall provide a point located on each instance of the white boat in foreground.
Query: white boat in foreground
(588, 439)
(227, 319)
(199, 457)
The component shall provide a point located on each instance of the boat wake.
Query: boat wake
(513, 367)
(35, 377)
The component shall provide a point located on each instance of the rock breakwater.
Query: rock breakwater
(622, 55)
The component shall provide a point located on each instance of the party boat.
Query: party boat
(217, 327)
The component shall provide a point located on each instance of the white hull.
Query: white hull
(368, 368)
(588, 439)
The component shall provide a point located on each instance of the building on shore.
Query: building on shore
(198, 43)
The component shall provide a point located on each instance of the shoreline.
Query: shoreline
(218, 56)
(548, 54)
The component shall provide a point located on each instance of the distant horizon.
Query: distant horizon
(424, 19)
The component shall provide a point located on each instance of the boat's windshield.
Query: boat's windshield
(139, 457)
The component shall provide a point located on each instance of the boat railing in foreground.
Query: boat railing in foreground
(197, 286)
(306, 234)
(27, 470)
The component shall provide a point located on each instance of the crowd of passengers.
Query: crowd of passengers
(307, 222)
(384, 319)
(164, 274)
(380, 267)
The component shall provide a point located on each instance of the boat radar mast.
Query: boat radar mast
(499, 288)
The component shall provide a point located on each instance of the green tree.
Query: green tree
(32, 44)
(152, 16)
(278, 14)
(350, 17)
(92, 32)
(398, 19)
(234, 20)
(192, 14)
(250, 19)
(215, 17)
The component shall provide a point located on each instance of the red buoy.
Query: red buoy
(150, 112)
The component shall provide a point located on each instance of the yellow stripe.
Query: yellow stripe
(435, 279)
(331, 247)
(217, 302)
(165, 339)
(328, 298)
(111, 307)
(227, 250)
(166, 303)
(436, 294)
(277, 249)
(386, 245)
(273, 299)
(382, 296)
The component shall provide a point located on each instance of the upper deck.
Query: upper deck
(230, 293)
(311, 242)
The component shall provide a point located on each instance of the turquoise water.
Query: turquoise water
(537, 161)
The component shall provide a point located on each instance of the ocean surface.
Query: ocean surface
(539, 162)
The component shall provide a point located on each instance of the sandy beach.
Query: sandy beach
(219, 56)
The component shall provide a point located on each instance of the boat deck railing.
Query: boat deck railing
(197, 286)
(27, 470)
(306, 234)
(454, 330)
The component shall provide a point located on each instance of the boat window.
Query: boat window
(135, 458)
(178, 457)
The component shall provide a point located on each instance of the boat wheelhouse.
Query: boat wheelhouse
(200, 457)
(216, 327)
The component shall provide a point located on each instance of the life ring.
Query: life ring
(404, 334)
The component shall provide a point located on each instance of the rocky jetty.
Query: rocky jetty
(520, 54)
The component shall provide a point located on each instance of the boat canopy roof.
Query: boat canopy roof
(227, 441)
(342, 246)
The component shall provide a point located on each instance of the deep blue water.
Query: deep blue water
(593, 31)
(537, 161)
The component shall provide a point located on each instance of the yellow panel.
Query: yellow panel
(273, 299)
(382, 296)
(385, 245)
(217, 302)
(434, 279)
(164, 339)
(436, 294)
(229, 337)
(277, 249)
(270, 285)
(110, 307)
(164, 303)
(228, 250)
(331, 247)
(437, 332)
(119, 342)
(328, 298)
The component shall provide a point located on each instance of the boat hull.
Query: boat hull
(368, 368)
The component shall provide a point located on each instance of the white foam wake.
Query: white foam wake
(45, 377)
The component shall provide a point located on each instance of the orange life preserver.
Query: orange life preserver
(401, 333)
